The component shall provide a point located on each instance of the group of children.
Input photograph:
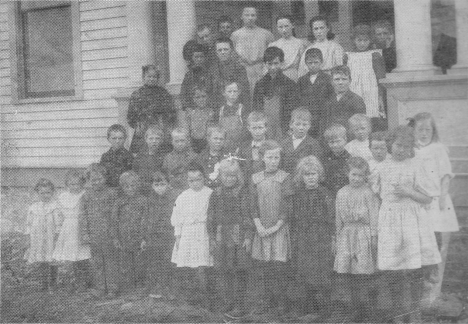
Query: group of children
(299, 210)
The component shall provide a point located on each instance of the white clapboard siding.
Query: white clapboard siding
(68, 133)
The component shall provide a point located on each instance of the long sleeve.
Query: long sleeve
(247, 223)
(211, 222)
(186, 91)
(177, 218)
(83, 225)
(114, 221)
(29, 221)
(58, 219)
(337, 55)
(378, 64)
(257, 99)
(373, 205)
(254, 210)
(331, 211)
(286, 207)
(134, 109)
(291, 101)
(340, 211)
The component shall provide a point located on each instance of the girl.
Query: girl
(271, 205)
(360, 128)
(69, 247)
(367, 68)
(357, 209)
(406, 240)
(321, 37)
(189, 218)
(292, 47)
(43, 224)
(313, 231)
(232, 116)
(436, 165)
(230, 229)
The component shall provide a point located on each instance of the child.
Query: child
(69, 247)
(118, 159)
(198, 118)
(436, 165)
(367, 68)
(150, 105)
(149, 160)
(406, 240)
(378, 147)
(95, 226)
(313, 235)
(291, 46)
(230, 229)
(271, 206)
(43, 224)
(360, 127)
(232, 116)
(275, 94)
(322, 39)
(299, 144)
(249, 150)
(334, 162)
(357, 210)
(209, 159)
(181, 155)
(128, 214)
(196, 76)
(344, 103)
(159, 236)
(315, 88)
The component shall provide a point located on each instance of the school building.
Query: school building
(67, 69)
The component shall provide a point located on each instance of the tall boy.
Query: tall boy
(344, 103)
(118, 159)
(275, 94)
(249, 150)
(315, 88)
(299, 144)
(334, 162)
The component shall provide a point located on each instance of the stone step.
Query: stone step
(459, 189)
(462, 215)
(458, 151)
(459, 165)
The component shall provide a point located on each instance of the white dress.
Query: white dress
(436, 164)
(293, 49)
(43, 222)
(68, 246)
(332, 56)
(406, 239)
(358, 148)
(363, 79)
(189, 221)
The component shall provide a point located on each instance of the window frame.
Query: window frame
(17, 55)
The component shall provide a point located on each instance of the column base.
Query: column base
(458, 70)
(420, 71)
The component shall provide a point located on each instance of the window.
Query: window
(46, 61)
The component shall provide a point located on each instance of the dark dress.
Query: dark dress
(145, 165)
(116, 163)
(312, 229)
(336, 171)
(339, 111)
(248, 165)
(291, 156)
(150, 105)
(445, 56)
(195, 77)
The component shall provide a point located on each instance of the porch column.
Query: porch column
(413, 37)
(461, 16)
(181, 23)
(141, 47)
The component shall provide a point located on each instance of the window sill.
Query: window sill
(49, 99)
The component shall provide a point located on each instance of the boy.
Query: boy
(94, 227)
(210, 157)
(275, 94)
(344, 103)
(334, 162)
(249, 150)
(128, 215)
(196, 76)
(181, 155)
(159, 235)
(378, 147)
(360, 128)
(225, 26)
(315, 88)
(146, 162)
(299, 144)
(118, 159)
(198, 117)
(250, 42)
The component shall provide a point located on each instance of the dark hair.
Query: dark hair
(223, 19)
(159, 176)
(117, 128)
(272, 53)
(311, 37)
(146, 68)
(268, 145)
(44, 183)
(377, 136)
(76, 175)
(224, 40)
(314, 53)
(357, 162)
(341, 69)
(404, 133)
(95, 168)
(195, 167)
(202, 27)
(383, 24)
(291, 20)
